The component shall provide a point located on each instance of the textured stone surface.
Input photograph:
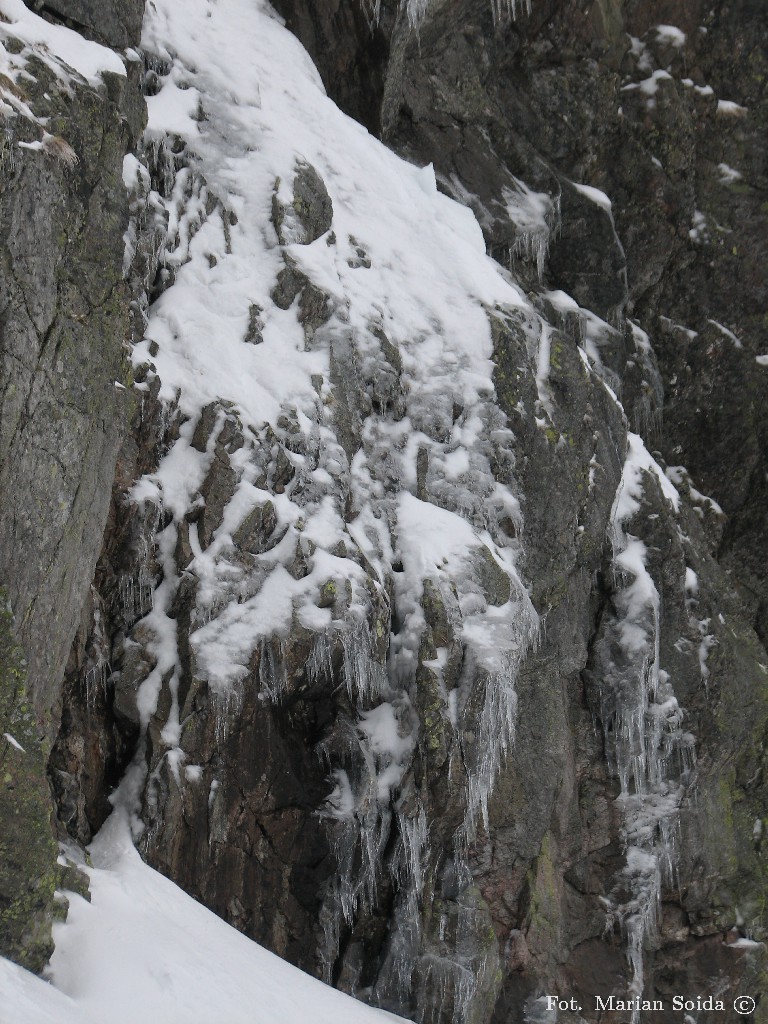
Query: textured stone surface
(64, 320)
(27, 848)
(63, 403)
(114, 22)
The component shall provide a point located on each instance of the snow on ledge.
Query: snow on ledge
(727, 108)
(671, 35)
(86, 58)
(594, 194)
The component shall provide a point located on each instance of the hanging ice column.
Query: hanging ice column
(417, 9)
(642, 722)
(536, 216)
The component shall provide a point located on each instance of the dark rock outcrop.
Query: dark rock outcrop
(63, 404)
(113, 22)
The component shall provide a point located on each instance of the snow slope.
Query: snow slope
(144, 951)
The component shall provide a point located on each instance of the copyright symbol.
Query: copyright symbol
(744, 1005)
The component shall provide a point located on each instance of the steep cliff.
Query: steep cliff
(661, 107)
(70, 111)
(427, 638)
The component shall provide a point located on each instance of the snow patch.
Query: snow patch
(670, 35)
(728, 334)
(594, 195)
(728, 175)
(727, 108)
(13, 742)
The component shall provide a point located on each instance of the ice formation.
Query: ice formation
(647, 747)
(335, 459)
(417, 9)
(536, 216)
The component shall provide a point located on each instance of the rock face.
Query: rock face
(63, 324)
(670, 123)
(113, 22)
(409, 657)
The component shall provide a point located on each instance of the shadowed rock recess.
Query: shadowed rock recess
(426, 644)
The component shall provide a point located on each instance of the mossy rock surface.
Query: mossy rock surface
(27, 848)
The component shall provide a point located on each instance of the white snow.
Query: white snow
(727, 108)
(702, 90)
(700, 230)
(689, 332)
(27, 999)
(71, 59)
(562, 300)
(638, 460)
(428, 285)
(728, 333)
(56, 45)
(594, 194)
(639, 51)
(432, 538)
(13, 742)
(728, 175)
(391, 745)
(680, 477)
(650, 86)
(671, 35)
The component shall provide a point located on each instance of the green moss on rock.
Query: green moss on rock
(28, 853)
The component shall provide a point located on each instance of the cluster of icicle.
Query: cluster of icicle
(417, 9)
(537, 220)
(647, 749)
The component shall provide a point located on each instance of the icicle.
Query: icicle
(96, 682)
(226, 707)
(642, 723)
(365, 677)
(414, 839)
(537, 218)
(444, 979)
(136, 595)
(417, 9)
(532, 246)
(510, 7)
(358, 841)
(495, 727)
